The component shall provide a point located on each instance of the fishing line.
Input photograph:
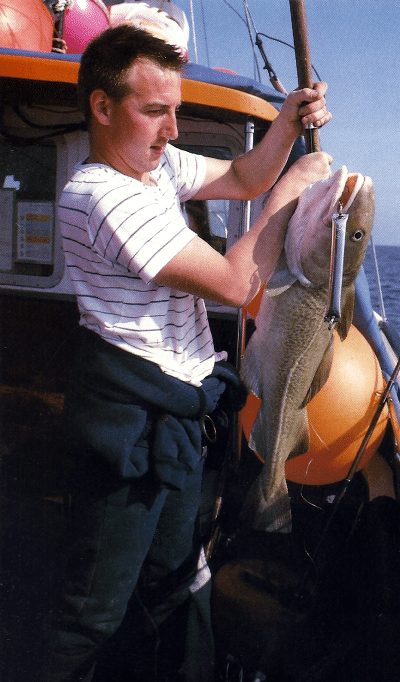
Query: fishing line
(233, 675)
(245, 21)
(304, 481)
(277, 40)
(193, 32)
(248, 19)
(272, 75)
(205, 33)
(378, 280)
(315, 566)
(345, 484)
(273, 78)
(311, 504)
(234, 10)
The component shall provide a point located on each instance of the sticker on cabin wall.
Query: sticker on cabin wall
(6, 229)
(35, 222)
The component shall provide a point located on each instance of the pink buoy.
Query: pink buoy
(26, 25)
(83, 21)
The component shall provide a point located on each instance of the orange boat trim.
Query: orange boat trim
(193, 92)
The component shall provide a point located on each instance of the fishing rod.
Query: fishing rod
(303, 63)
(311, 137)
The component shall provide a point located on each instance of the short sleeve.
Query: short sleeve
(137, 227)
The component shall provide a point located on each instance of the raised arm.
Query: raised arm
(253, 173)
(234, 279)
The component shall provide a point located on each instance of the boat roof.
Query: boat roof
(200, 85)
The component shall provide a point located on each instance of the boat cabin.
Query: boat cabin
(42, 138)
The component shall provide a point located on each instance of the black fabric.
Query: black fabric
(123, 415)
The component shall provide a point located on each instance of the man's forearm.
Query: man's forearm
(258, 170)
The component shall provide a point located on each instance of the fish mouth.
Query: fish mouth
(354, 183)
(350, 189)
(344, 189)
(343, 193)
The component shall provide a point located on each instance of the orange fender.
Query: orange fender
(339, 415)
(26, 25)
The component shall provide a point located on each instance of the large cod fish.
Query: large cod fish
(289, 355)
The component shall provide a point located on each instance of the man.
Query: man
(146, 374)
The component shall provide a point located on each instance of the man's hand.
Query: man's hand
(306, 106)
(304, 172)
(310, 168)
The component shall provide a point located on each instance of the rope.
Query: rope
(61, 5)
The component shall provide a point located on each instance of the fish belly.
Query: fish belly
(279, 365)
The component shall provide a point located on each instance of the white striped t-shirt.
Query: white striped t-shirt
(117, 235)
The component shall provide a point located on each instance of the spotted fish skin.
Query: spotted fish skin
(288, 357)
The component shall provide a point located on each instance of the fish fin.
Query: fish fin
(321, 375)
(250, 372)
(303, 440)
(346, 319)
(281, 279)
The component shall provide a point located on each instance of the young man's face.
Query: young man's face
(140, 126)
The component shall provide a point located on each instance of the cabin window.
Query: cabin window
(209, 219)
(27, 206)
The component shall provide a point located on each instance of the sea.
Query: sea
(388, 265)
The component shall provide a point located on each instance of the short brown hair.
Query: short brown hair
(108, 57)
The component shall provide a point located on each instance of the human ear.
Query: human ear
(100, 106)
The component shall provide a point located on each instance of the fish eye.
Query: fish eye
(357, 236)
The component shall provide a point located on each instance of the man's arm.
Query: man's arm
(234, 279)
(253, 173)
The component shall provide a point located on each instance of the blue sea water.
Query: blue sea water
(388, 260)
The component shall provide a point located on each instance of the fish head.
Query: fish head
(358, 201)
(308, 242)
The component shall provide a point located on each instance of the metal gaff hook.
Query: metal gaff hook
(334, 311)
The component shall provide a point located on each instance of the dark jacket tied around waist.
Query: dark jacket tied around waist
(123, 414)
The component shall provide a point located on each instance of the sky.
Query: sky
(354, 46)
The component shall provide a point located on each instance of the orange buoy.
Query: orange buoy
(26, 25)
(339, 415)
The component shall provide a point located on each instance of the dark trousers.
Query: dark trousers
(126, 522)
(113, 537)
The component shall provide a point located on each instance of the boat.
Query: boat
(326, 604)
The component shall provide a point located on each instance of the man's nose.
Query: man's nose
(171, 126)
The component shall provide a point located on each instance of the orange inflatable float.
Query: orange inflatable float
(339, 415)
(26, 25)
